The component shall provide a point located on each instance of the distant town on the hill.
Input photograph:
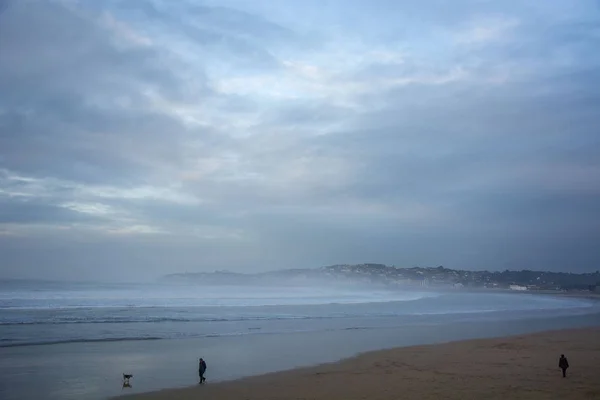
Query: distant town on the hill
(405, 277)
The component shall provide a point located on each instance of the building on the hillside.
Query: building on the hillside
(400, 282)
(517, 287)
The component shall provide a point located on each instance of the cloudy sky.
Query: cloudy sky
(144, 137)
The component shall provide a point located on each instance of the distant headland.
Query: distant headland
(392, 276)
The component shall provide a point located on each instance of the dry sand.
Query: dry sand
(518, 367)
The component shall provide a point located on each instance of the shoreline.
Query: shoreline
(516, 366)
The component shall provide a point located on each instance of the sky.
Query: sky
(140, 138)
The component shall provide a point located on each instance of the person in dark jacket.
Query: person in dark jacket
(201, 370)
(563, 364)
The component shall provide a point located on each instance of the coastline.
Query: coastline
(516, 367)
(583, 294)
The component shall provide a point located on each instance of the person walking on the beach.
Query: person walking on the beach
(201, 370)
(563, 364)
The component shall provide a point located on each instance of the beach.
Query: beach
(515, 367)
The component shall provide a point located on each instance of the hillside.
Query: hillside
(398, 277)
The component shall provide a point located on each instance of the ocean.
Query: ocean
(75, 339)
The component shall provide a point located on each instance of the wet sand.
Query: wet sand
(516, 367)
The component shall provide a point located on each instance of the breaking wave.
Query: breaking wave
(34, 317)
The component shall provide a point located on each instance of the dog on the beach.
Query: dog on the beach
(126, 378)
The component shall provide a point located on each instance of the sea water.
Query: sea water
(75, 339)
(46, 313)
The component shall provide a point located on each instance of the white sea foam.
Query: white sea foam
(186, 296)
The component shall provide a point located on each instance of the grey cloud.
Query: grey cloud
(166, 214)
(88, 145)
(35, 61)
(462, 173)
(62, 114)
(243, 24)
(464, 153)
(539, 210)
(14, 211)
(311, 114)
(228, 20)
(59, 111)
(230, 34)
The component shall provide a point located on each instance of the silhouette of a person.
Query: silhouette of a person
(563, 364)
(201, 369)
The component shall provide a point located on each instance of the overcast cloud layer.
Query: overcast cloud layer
(144, 137)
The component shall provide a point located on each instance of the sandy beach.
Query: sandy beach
(517, 367)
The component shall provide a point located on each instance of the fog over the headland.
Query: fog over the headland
(140, 138)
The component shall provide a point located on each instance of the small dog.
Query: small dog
(126, 378)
